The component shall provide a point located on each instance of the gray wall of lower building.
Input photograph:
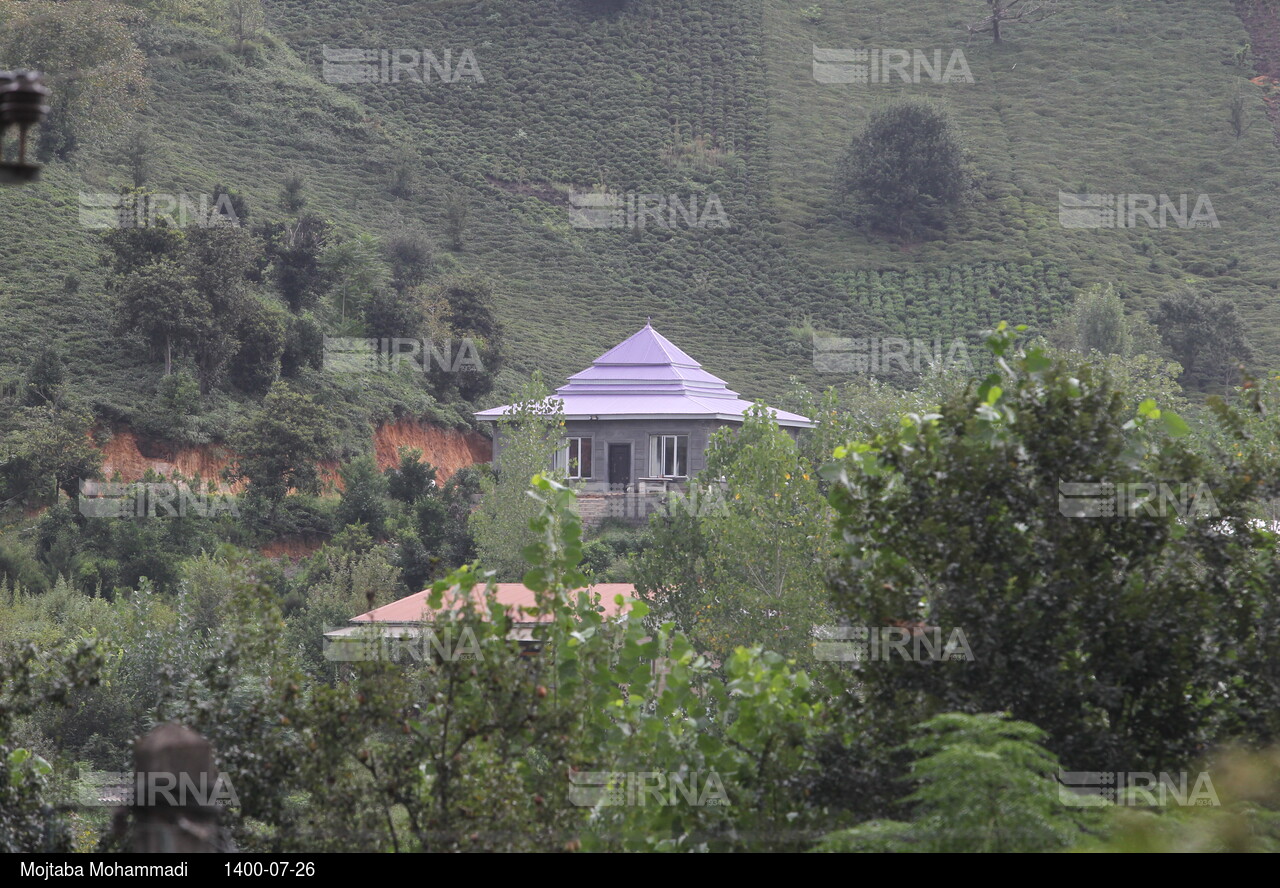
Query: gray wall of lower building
(636, 433)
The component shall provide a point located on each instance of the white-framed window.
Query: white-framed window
(575, 458)
(669, 456)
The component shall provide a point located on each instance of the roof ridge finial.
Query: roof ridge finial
(648, 322)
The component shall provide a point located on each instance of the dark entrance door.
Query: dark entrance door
(619, 465)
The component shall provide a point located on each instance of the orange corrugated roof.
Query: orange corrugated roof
(413, 608)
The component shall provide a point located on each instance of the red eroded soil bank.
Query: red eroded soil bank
(447, 449)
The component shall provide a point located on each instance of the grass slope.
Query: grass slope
(1104, 97)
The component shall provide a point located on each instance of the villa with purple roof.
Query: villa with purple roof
(639, 419)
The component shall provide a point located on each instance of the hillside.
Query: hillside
(700, 98)
(966, 611)
(1104, 97)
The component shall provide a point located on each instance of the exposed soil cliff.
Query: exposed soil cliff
(447, 449)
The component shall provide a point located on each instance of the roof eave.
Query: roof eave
(725, 417)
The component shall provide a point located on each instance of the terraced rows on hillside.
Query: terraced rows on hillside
(697, 99)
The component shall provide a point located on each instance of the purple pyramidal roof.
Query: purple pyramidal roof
(648, 377)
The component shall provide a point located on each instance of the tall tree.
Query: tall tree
(411, 255)
(412, 479)
(303, 346)
(45, 380)
(138, 152)
(245, 20)
(906, 170)
(218, 263)
(984, 784)
(261, 338)
(364, 496)
(1098, 322)
(469, 317)
(527, 438)
(49, 449)
(456, 208)
(1206, 335)
(356, 269)
(295, 248)
(279, 448)
(743, 552)
(395, 314)
(132, 248)
(159, 302)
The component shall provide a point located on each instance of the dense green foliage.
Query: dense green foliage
(906, 170)
(30, 681)
(756, 532)
(1097, 322)
(983, 785)
(1136, 637)
(280, 448)
(1205, 335)
(527, 437)
(468, 744)
(440, 211)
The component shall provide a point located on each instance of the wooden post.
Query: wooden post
(174, 780)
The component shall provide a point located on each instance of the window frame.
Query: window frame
(564, 461)
(658, 451)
